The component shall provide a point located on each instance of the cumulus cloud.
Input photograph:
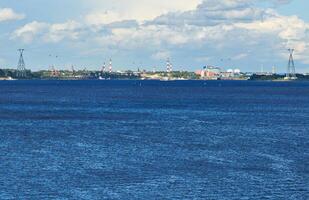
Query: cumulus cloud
(29, 31)
(223, 27)
(103, 18)
(68, 30)
(232, 28)
(210, 13)
(7, 14)
(137, 9)
(47, 32)
(161, 55)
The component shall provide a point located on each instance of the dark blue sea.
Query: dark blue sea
(154, 140)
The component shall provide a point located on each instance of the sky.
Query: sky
(244, 34)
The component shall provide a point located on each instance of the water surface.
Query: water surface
(154, 140)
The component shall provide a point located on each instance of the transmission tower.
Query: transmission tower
(21, 68)
(291, 73)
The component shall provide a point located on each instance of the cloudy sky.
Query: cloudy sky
(245, 34)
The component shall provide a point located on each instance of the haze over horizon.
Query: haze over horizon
(241, 34)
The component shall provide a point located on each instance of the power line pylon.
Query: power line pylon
(21, 68)
(291, 73)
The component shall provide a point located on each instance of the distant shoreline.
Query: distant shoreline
(159, 80)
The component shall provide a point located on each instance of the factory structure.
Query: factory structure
(217, 73)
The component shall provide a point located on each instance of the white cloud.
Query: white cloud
(161, 55)
(290, 31)
(103, 18)
(29, 31)
(47, 32)
(7, 14)
(58, 32)
(224, 28)
(140, 10)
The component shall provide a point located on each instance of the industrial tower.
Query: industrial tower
(21, 68)
(291, 73)
(169, 66)
(273, 70)
(110, 66)
(103, 68)
(54, 72)
(73, 70)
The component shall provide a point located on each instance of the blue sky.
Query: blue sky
(243, 34)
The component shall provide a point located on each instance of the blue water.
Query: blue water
(154, 140)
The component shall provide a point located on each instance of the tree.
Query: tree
(2, 73)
